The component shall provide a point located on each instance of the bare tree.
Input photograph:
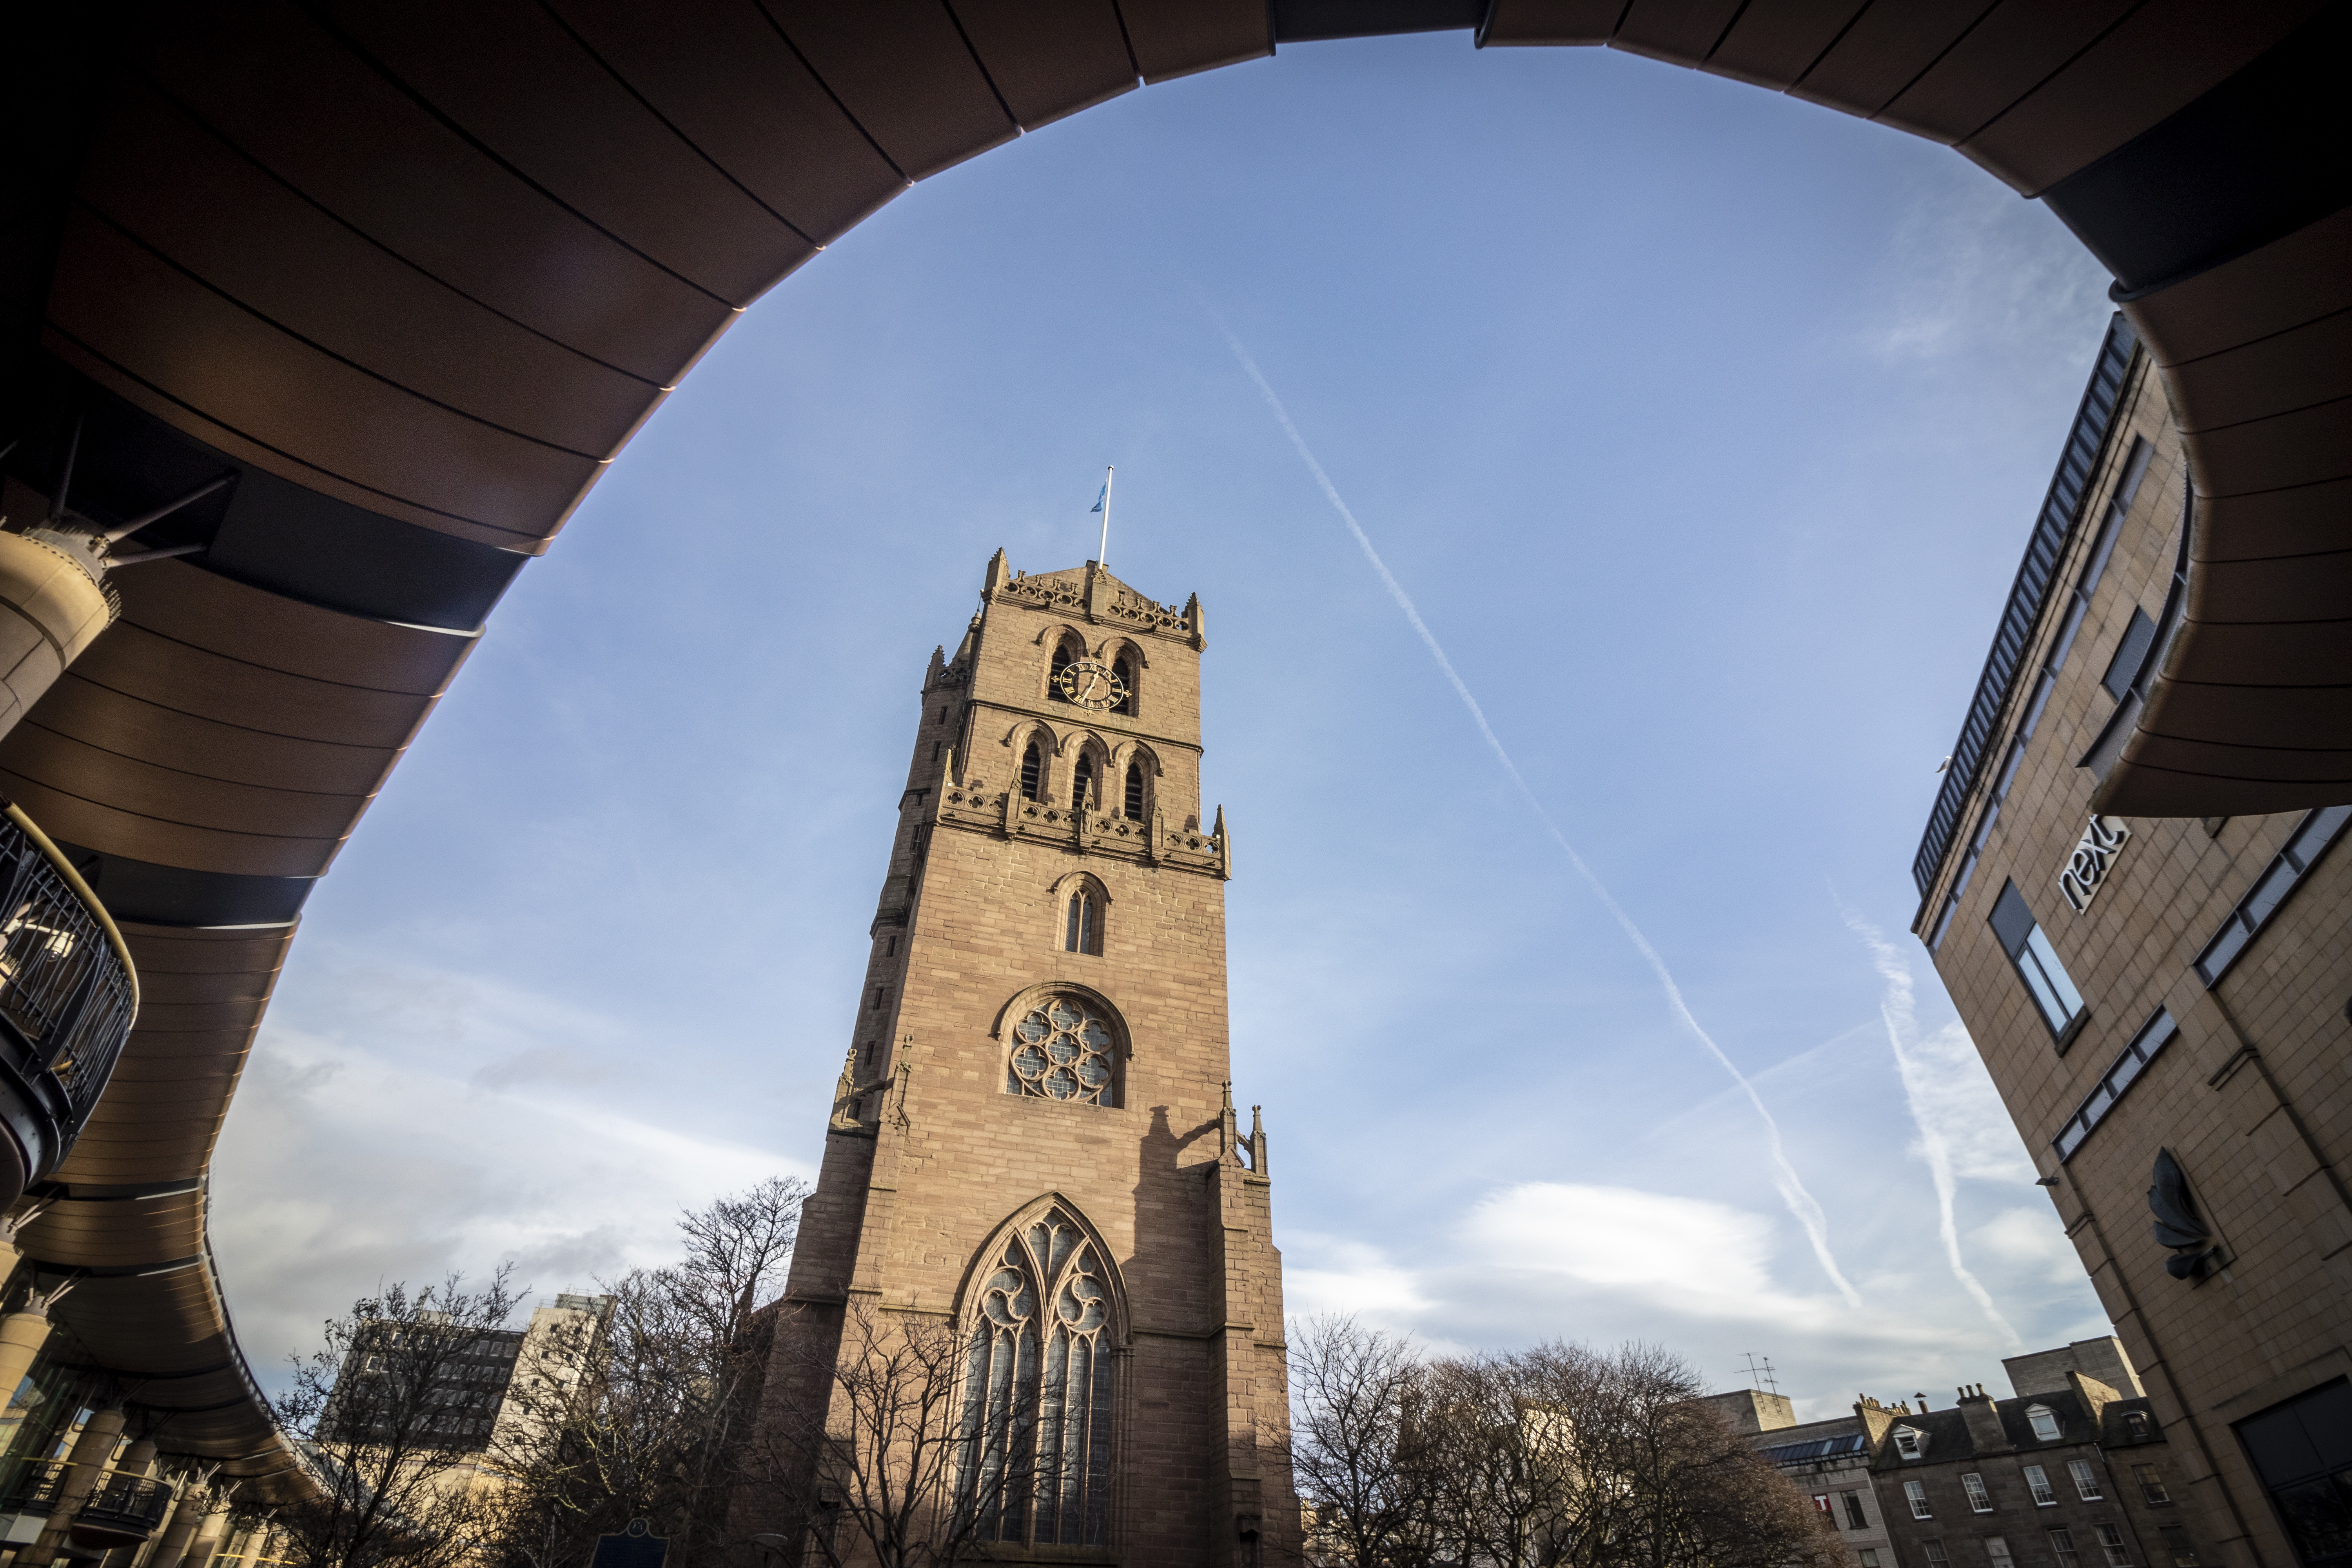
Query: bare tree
(648, 1414)
(1358, 1447)
(1558, 1457)
(392, 1411)
(879, 1460)
(1666, 1483)
(1498, 1441)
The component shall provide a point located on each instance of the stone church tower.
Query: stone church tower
(1033, 1138)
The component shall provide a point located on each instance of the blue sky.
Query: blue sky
(1703, 427)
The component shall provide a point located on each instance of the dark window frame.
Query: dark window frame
(2035, 959)
(2131, 1065)
(2122, 670)
(2306, 848)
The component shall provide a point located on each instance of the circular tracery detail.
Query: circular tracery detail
(1063, 1049)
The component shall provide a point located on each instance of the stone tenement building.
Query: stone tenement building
(1828, 1461)
(1034, 1137)
(2072, 1472)
(2162, 1001)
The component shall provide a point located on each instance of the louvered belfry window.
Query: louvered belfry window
(1135, 792)
(1035, 1438)
(1033, 767)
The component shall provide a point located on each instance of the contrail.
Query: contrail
(1894, 1006)
(1791, 1187)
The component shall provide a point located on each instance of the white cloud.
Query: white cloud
(1972, 261)
(1947, 1078)
(2031, 1240)
(1333, 1273)
(440, 1121)
(1708, 1260)
(1605, 1264)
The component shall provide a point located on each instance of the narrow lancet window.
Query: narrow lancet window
(1033, 769)
(1082, 781)
(1082, 931)
(1125, 670)
(1135, 792)
(1053, 692)
(1035, 1438)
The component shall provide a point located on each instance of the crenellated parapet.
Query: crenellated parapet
(1092, 592)
(975, 808)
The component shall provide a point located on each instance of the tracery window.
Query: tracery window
(1037, 1432)
(1082, 929)
(1135, 792)
(1064, 1049)
(1033, 768)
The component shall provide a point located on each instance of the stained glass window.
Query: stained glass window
(1063, 1050)
(1036, 1426)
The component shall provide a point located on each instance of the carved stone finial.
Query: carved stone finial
(998, 576)
(844, 1092)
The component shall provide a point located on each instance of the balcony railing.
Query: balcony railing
(67, 993)
(36, 1488)
(122, 1511)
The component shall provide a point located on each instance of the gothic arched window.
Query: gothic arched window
(1037, 1431)
(1032, 772)
(1082, 928)
(1135, 792)
(1082, 780)
(1063, 1049)
(1125, 670)
(1063, 655)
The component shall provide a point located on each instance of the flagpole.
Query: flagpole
(1102, 556)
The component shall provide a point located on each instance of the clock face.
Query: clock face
(1091, 686)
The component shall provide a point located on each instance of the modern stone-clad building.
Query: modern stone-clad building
(1034, 1139)
(2162, 1001)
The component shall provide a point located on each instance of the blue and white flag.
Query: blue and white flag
(1101, 497)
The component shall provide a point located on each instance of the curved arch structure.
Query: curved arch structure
(410, 275)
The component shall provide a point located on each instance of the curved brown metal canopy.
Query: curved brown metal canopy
(414, 273)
